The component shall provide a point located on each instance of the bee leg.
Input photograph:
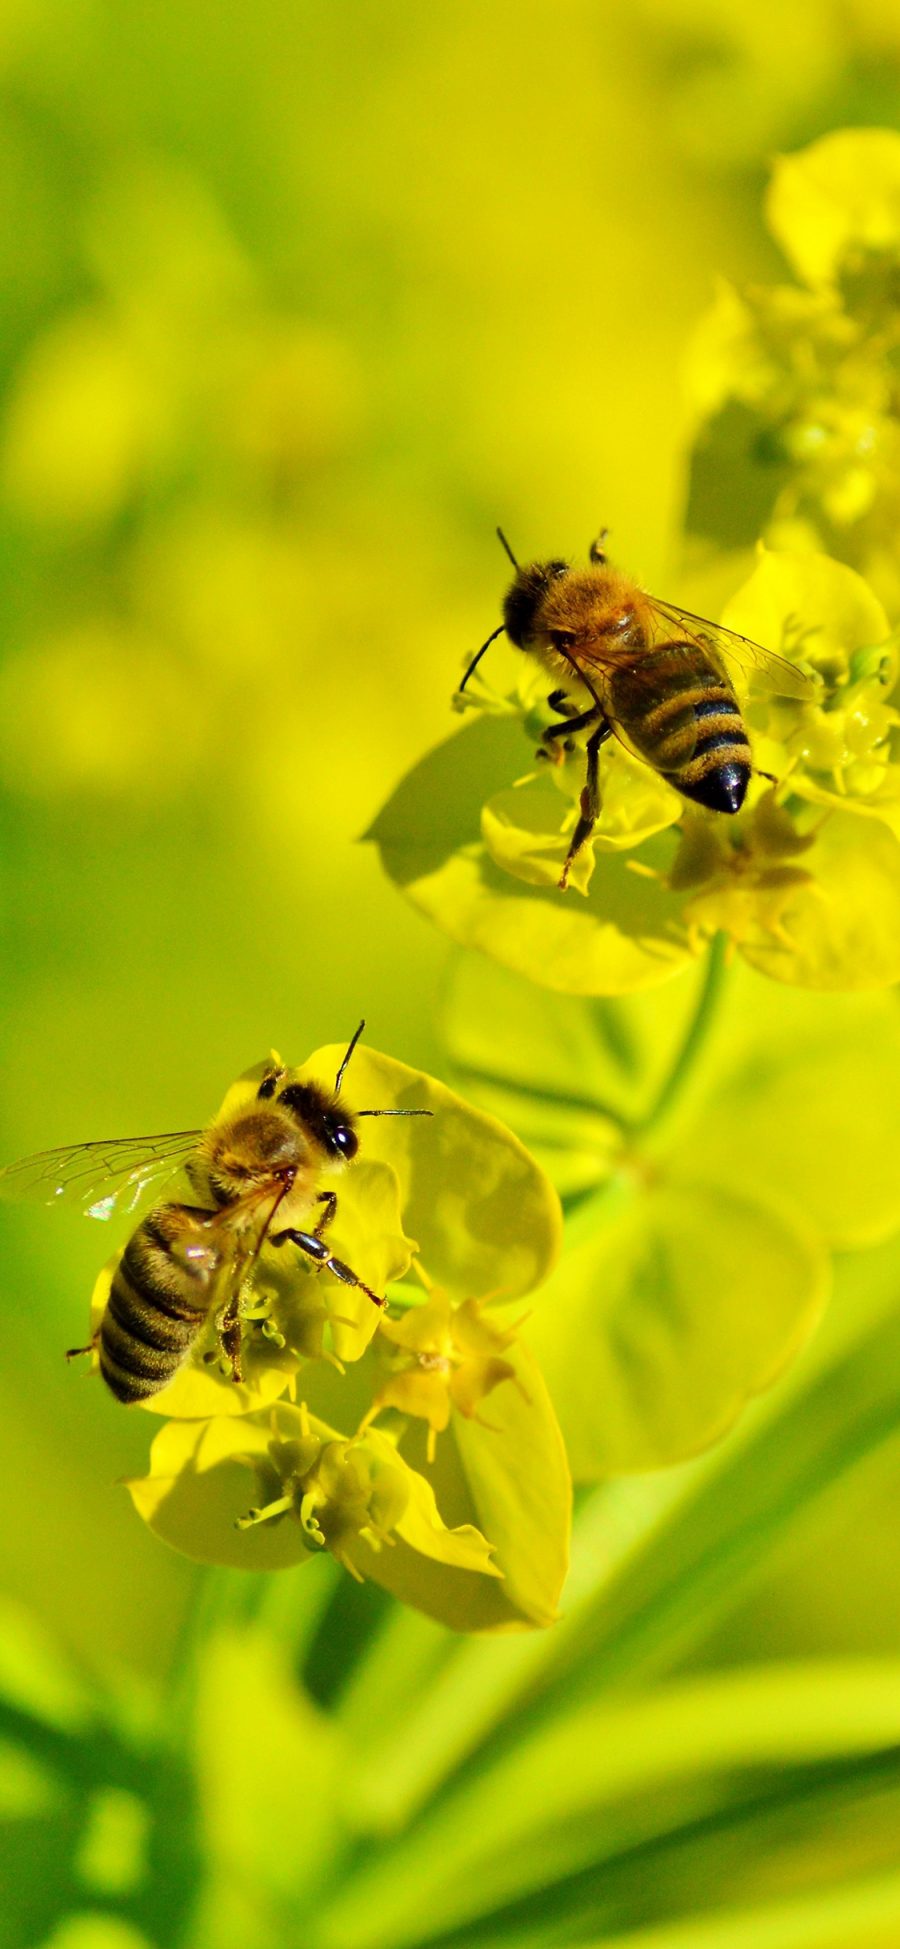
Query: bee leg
(559, 700)
(579, 722)
(316, 1248)
(564, 730)
(590, 799)
(74, 1353)
(326, 1218)
(228, 1331)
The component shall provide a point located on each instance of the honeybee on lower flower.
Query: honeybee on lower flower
(254, 1180)
(657, 676)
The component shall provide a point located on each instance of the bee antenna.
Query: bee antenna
(505, 544)
(479, 653)
(393, 1113)
(350, 1048)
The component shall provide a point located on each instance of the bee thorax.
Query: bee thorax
(260, 1147)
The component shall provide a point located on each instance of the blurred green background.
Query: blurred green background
(298, 301)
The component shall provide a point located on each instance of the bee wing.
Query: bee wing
(108, 1176)
(778, 676)
(237, 1234)
(630, 693)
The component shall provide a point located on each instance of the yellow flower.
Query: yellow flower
(244, 1476)
(453, 1359)
(805, 879)
(272, 1489)
(453, 1186)
(795, 384)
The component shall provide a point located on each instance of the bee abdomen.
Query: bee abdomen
(157, 1305)
(718, 779)
(671, 725)
(689, 726)
(718, 773)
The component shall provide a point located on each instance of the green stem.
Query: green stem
(701, 1023)
(619, 1188)
(587, 1104)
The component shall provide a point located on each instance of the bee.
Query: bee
(254, 1180)
(654, 674)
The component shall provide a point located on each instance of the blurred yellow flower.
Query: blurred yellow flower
(794, 385)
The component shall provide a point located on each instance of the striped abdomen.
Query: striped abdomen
(682, 715)
(161, 1295)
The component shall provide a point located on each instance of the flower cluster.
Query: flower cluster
(449, 1216)
(805, 880)
(450, 1357)
(796, 384)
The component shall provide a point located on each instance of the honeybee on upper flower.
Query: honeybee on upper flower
(623, 661)
(254, 1179)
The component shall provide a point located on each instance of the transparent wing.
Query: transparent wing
(233, 1239)
(783, 679)
(245, 1225)
(103, 1178)
(632, 691)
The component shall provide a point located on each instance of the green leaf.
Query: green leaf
(626, 1775)
(705, 1535)
(268, 1766)
(862, 1909)
(435, 810)
(793, 1097)
(802, 1102)
(96, 1930)
(569, 1074)
(90, 1795)
(667, 1316)
(35, 1677)
(626, 934)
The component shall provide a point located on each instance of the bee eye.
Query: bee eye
(556, 569)
(269, 1084)
(344, 1141)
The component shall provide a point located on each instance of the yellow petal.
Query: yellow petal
(836, 199)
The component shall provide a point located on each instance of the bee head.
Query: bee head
(524, 598)
(520, 605)
(322, 1118)
(317, 1112)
